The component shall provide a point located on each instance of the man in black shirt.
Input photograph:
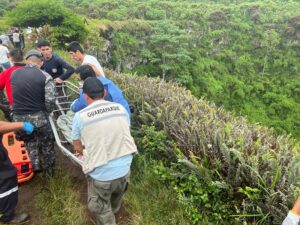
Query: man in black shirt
(8, 178)
(33, 92)
(53, 64)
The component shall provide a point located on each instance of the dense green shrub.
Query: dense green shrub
(259, 170)
(62, 25)
(204, 200)
(231, 52)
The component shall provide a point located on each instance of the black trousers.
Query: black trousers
(8, 202)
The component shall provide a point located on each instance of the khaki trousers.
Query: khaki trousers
(105, 198)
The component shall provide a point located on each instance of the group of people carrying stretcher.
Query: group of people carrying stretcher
(103, 140)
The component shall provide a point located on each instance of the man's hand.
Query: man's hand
(78, 147)
(58, 80)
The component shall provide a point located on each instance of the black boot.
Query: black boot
(19, 218)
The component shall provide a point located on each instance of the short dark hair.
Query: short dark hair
(42, 43)
(93, 88)
(16, 55)
(85, 71)
(75, 46)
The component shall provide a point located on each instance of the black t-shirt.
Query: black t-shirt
(6, 167)
(28, 90)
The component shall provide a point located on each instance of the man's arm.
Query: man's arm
(50, 93)
(97, 72)
(69, 69)
(79, 103)
(13, 126)
(8, 127)
(76, 134)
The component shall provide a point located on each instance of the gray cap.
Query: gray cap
(33, 52)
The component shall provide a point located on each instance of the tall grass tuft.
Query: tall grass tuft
(148, 201)
(59, 202)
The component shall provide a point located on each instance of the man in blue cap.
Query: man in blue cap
(107, 152)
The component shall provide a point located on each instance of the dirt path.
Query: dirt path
(28, 190)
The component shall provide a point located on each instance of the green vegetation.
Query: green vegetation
(59, 201)
(55, 201)
(242, 55)
(7, 5)
(60, 24)
(223, 169)
(148, 200)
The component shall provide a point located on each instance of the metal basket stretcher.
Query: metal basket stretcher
(68, 92)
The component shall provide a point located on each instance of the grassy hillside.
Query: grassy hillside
(242, 55)
(223, 169)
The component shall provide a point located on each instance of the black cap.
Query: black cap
(93, 87)
(33, 52)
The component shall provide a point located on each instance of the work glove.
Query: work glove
(28, 127)
(291, 219)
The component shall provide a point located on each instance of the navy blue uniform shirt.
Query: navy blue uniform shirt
(55, 67)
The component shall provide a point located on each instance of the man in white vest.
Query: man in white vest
(101, 134)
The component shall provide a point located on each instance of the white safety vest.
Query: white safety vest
(105, 134)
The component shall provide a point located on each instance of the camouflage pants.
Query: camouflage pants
(105, 198)
(4, 106)
(40, 144)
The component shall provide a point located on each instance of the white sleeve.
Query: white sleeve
(291, 219)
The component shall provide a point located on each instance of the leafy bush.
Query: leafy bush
(193, 185)
(63, 26)
(260, 170)
(234, 45)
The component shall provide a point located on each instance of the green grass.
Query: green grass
(55, 201)
(148, 201)
(59, 201)
(66, 56)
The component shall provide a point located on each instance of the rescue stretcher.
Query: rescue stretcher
(68, 93)
(18, 156)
